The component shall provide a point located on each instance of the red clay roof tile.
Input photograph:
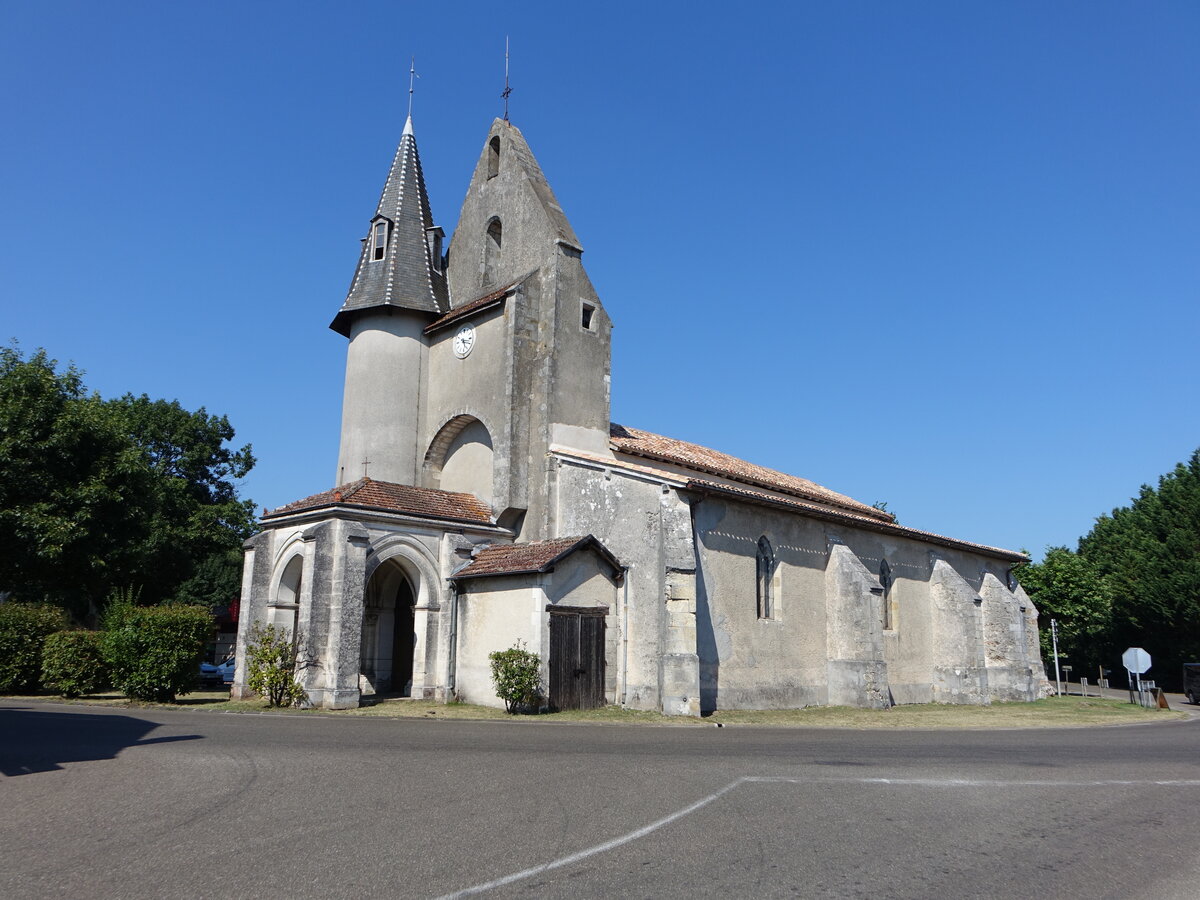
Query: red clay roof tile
(887, 526)
(400, 498)
(702, 459)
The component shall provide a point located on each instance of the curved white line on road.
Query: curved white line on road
(784, 779)
(592, 851)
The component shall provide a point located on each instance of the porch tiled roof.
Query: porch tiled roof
(400, 498)
(534, 556)
(636, 442)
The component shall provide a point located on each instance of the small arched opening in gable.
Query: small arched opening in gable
(493, 155)
(492, 241)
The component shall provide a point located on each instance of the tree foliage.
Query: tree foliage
(97, 495)
(1134, 581)
(1065, 587)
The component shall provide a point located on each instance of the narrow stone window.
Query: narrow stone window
(885, 582)
(586, 318)
(766, 574)
(494, 157)
(491, 253)
(379, 244)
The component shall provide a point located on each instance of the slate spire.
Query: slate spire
(400, 266)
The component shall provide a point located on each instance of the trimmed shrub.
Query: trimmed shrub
(24, 628)
(154, 652)
(271, 663)
(517, 675)
(72, 663)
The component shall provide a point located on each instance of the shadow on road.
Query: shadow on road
(34, 741)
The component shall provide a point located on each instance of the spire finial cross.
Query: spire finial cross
(507, 90)
(412, 76)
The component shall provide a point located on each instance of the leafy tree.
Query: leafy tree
(71, 485)
(1064, 586)
(195, 521)
(1134, 581)
(1149, 555)
(97, 495)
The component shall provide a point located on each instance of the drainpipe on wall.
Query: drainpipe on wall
(624, 636)
(451, 680)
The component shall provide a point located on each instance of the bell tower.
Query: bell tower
(399, 287)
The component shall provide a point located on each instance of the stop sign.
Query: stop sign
(1136, 660)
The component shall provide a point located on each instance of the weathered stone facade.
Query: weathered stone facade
(503, 506)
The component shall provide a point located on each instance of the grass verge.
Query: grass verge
(1054, 712)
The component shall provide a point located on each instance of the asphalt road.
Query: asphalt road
(141, 803)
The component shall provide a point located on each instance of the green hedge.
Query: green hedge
(24, 628)
(154, 652)
(72, 663)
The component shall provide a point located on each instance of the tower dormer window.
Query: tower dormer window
(493, 155)
(379, 240)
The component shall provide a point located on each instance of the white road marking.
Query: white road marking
(784, 779)
(592, 851)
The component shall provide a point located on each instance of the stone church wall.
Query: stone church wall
(747, 662)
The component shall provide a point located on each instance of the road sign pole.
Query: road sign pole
(1054, 639)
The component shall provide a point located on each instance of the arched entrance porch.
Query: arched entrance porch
(389, 633)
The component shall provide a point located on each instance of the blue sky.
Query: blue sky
(942, 255)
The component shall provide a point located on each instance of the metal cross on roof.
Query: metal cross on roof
(507, 90)
(412, 75)
(366, 462)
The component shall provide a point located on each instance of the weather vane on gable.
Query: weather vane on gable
(507, 90)
(412, 75)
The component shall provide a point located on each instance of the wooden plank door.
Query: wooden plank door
(591, 661)
(564, 660)
(576, 659)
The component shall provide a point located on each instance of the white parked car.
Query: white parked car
(221, 673)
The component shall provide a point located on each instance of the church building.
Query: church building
(503, 505)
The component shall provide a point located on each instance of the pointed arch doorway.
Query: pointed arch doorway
(389, 631)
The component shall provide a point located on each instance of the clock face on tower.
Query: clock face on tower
(464, 341)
